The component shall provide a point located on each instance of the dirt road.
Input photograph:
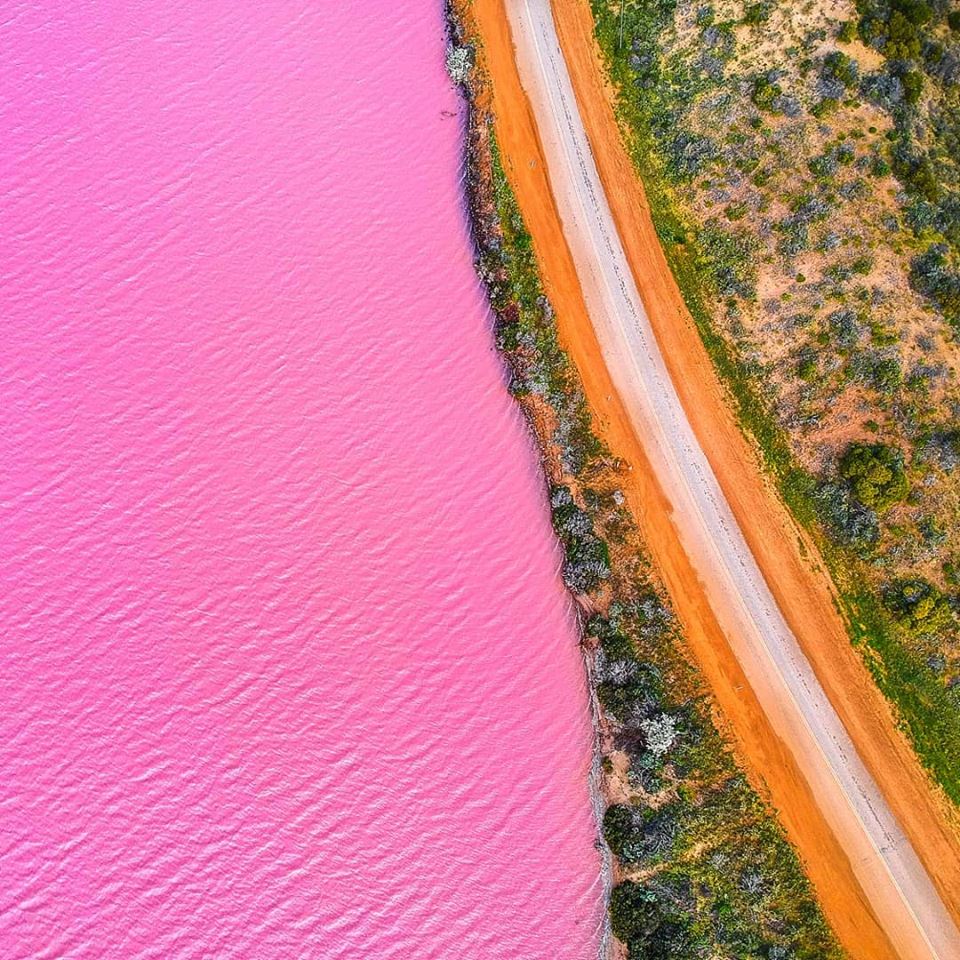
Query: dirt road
(876, 891)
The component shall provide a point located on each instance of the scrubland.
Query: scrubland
(801, 162)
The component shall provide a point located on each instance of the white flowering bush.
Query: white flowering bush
(660, 733)
(459, 62)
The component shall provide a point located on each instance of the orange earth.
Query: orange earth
(788, 560)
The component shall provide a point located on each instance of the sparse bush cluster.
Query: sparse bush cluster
(876, 474)
(923, 56)
(587, 556)
(726, 258)
(692, 823)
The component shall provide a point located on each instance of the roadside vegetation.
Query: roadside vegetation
(802, 163)
(701, 866)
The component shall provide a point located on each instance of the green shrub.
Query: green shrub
(875, 474)
(641, 920)
(922, 179)
(727, 258)
(764, 93)
(934, 274)
(903, 39)
(886, 375)
(838, 66)
(807, 368)
(756, 13)
(736, 211)
(619, 699)
(825, 107)
(918, 605)
(633, 910)
(619, 827)
(912, 82)
(894, 25)
(587, 556)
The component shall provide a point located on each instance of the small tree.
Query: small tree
(634, 913)
(875, 474)
(912, 82)
(918, 605)
(620, 829)
(755, 14)
(765, 92)
(649, 928)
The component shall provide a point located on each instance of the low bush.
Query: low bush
(852, 524)
(934, 275)
(912, 81)
(755, 14)
(726, 257)
(620, 828)
(918, 605)
(875, 474)
(838, 66)
(641, 917)
(587, 555)
(765, 93)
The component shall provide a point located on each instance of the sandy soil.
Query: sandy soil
(802, 592)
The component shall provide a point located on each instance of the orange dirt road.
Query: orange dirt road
(800, 586)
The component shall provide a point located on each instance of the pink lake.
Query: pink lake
(288, 670)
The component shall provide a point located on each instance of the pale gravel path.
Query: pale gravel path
(885, 863)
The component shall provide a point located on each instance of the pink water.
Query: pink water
(287, 669)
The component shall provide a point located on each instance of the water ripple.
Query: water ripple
(288, 670)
